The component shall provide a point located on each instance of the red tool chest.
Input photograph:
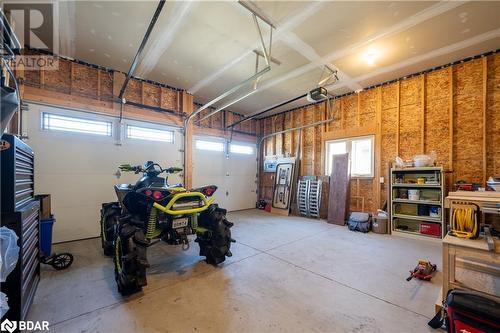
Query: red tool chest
(433, 229)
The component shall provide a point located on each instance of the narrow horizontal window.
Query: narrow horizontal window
(144, 133)
(55, 122)
(209, 145)
(241, 149)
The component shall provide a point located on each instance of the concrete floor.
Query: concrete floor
(287, 274)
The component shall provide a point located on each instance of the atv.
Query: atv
(152, 211)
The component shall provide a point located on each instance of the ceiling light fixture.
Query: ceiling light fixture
(371, 56)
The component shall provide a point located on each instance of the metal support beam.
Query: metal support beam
(234, 89)
(137, 56)
(273, 59)
(225, 106)
(257, 12)
(262, 43)
(328, 78)
(230, 91)
(321, 122)
(266, 110)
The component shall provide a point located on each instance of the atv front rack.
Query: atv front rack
(168, 208)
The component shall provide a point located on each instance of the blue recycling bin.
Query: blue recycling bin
(46, 236)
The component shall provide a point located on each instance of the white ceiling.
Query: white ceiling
(206, 47)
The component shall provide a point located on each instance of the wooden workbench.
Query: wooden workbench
(467, 264)
(479, 198)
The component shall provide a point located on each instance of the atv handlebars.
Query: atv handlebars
(173, 170)
(139, 168)
(129, 168)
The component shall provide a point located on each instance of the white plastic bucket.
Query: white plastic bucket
(414, 194)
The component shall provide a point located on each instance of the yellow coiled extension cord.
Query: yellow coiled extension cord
(464, 223)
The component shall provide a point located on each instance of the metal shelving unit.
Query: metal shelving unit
(409, 216)
(429, 202)
(417, 185)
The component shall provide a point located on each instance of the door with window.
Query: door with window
(230, 166)
(361, 155)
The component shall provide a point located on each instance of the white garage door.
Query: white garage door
(78, 169)
(232, 167)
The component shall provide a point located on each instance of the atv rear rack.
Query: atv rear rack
(168, 208)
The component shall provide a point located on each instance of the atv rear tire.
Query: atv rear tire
(130, 271)
(110, 213)
(215, 243)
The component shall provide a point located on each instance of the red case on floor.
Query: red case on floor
(268, 207)
(471, 312)
(430, 229)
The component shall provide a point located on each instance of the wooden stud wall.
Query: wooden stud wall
(388, 131)
(287, 137)
(278, 142)
(410, 118)
(307, 162)
(453, 113)
(437, 125)
(187, 108)
(493, 117)
(468, 122)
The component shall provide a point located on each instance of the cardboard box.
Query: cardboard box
(45, 211)
(379, 224)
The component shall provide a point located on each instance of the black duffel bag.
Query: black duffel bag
(359, 221)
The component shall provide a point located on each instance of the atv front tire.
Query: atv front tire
(110, 212)
(215, 239)
(130, 267)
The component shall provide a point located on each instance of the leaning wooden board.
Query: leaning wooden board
(338, 200)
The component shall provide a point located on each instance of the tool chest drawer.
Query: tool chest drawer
(18, 174)
(22, 282)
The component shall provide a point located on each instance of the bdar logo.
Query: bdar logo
(8, 326)
(11, 326)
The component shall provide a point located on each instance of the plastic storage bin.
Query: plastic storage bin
(46, 235)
